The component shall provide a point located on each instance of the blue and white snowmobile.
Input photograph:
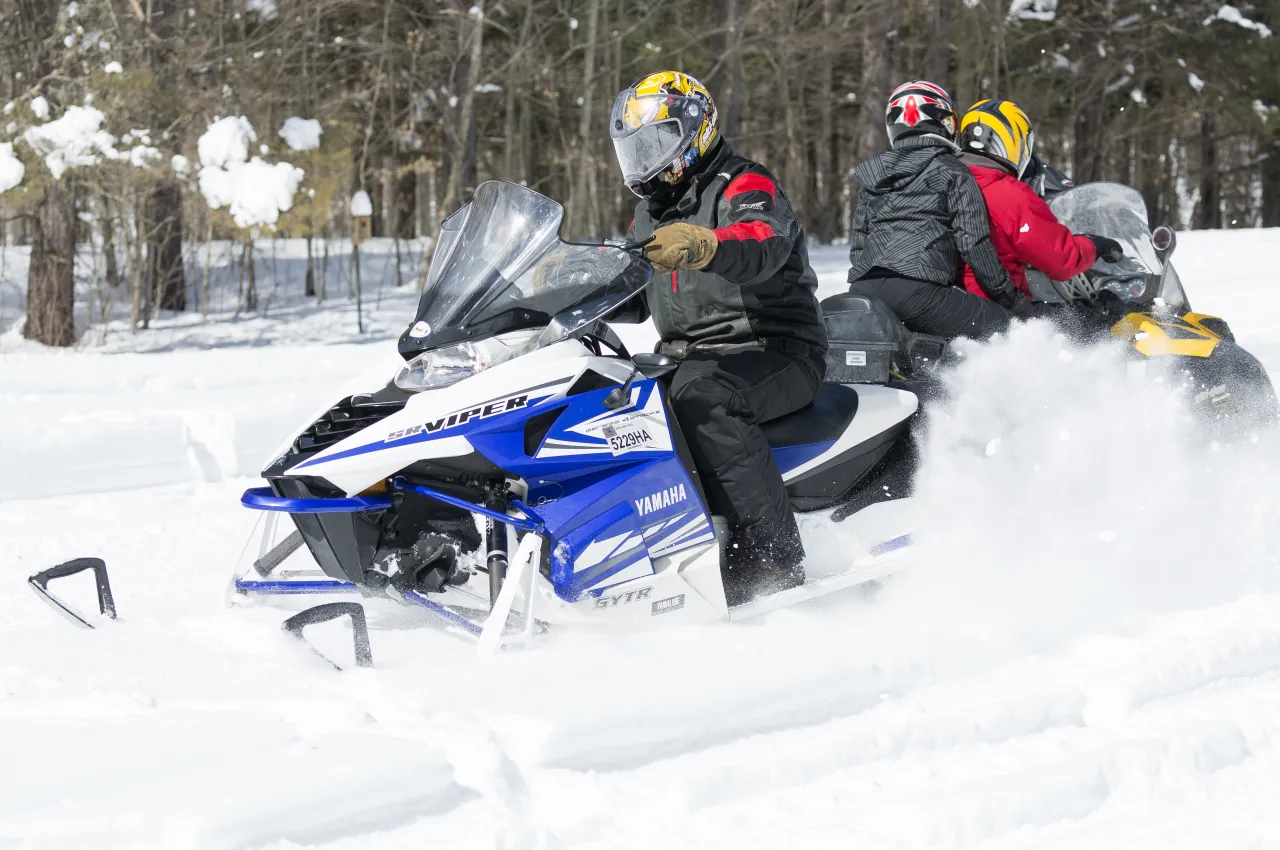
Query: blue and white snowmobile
(524, 468)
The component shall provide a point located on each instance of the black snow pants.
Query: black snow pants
(946, 311)
(720, 401)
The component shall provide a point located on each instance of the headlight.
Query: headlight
(441, 367)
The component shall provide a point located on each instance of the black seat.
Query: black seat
(822, 421)
(846, 303)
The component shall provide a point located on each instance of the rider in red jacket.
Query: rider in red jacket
(996, 140)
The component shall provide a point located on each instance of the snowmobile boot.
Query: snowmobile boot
(760, 561)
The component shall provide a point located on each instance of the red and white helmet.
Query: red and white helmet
(920, 108)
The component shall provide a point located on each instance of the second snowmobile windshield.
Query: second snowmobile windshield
(1111, 209)
(500, 265)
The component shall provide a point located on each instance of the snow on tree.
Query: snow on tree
(113, 68)
(361, 204)
(40, 107)
(1033, 10)
(1232, 15)
(226, 140)
(301, 134)
(75, 140)
(11, 168)
(254, 192)
(265, 8)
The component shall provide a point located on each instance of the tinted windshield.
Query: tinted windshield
(1118, 211)
(1110, 209)
(500, 265)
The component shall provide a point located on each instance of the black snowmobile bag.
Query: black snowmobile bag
(861, 344)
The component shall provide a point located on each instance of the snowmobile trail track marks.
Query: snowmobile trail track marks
(1040, 742)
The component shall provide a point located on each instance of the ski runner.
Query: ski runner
(919, 213)
(734, 302)
(996, 140)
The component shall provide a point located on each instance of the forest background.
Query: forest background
(141, 130)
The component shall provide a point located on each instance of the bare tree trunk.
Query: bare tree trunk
(462, 177)
(324, 266)
(208, 267)
(583, 212)
(792, 109)
(138, 316)
(826, 180)
(1271, 185)
(251, 273)
(311, 267)
(403, 199)
(166, 276)
(513, 159)
(51, 287)
(51, 273)
(937, 60)
(1208, 214)
(106, 226)
(880, 18)
(726, 82)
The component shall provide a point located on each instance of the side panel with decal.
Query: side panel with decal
(588, 428)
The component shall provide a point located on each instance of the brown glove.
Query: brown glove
(681, 246)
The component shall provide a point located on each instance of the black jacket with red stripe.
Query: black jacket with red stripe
(758, 290)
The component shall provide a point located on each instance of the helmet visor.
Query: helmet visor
(644, 153)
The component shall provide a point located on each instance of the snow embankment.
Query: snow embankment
(118, 422)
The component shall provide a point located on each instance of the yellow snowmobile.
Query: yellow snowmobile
(1147, 307)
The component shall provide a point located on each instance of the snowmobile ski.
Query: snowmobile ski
(106, 603)
(333, 611)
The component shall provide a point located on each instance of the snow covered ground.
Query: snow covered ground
(1087, 653)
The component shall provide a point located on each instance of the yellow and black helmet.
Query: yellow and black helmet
(661, 126)
(1000, 130)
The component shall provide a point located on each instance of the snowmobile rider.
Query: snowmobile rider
(733, 300)
(996, 142)
(919, 213)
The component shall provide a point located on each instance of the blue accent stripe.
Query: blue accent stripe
(289, 588)
(424, 436)
(893, 545)
(789, 457)
(262, 499)
(443, 612)
(534, 524)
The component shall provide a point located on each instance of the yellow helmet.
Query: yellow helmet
(998, 129)
(661, 126)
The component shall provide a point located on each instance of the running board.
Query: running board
(813, 590)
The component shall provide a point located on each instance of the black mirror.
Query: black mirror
(654, 365)
(1164, 240)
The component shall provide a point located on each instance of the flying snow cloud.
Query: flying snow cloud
(253, 191)
(301, 134)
